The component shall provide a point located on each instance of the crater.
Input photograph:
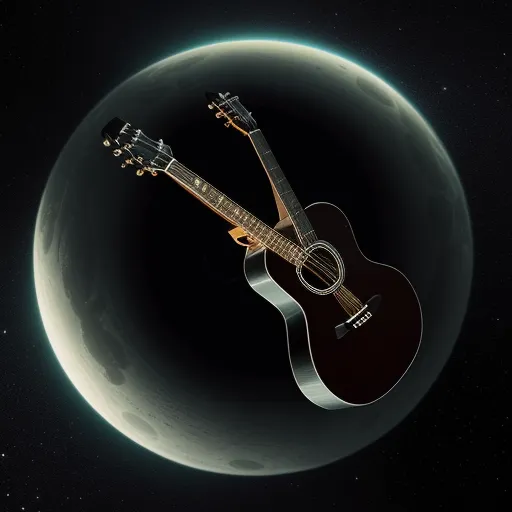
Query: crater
(246, 464)
(142, 426)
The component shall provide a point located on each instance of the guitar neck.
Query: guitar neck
(300, 221)
(234, 213)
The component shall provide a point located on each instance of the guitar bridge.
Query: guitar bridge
(361, 317)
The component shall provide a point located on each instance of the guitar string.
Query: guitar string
(344, 297)
(347, 300)
(350, 303)
(342, 294)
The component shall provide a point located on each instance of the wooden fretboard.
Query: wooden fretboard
(234, 213)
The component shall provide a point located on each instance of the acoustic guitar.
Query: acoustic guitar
(354, 326)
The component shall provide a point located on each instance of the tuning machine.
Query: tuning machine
(218, 115)
(142, 170)
(117, 152)
(128, 161)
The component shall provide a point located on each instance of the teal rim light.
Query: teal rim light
(296, 42)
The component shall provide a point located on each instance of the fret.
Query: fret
(228, 206)
(265, 235)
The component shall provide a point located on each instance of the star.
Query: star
(445, 88)
(5, 331)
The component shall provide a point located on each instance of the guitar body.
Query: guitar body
(365, 363)
(338, 359)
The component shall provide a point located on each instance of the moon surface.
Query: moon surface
(214, 391)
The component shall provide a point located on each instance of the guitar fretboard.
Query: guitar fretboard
(300, 221)
(235, 214)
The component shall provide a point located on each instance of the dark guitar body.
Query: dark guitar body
(366, 363)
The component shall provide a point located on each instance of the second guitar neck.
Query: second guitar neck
(298, 217)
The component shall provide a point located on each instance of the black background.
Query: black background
(60, 58)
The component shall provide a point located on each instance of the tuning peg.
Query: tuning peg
(210, 106)
(106, 142)
(123, 165)
(218, 115)
(139, 172)
(154, 173)
(227, 124)
(116, 152)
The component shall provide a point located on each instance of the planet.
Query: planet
(141, 289)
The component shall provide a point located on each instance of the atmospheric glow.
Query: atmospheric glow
(64, 331)
(293, 42)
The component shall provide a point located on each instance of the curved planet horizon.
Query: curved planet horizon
(142, 332)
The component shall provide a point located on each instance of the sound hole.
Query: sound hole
(320, 269)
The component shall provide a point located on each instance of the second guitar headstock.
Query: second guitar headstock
(230, 108)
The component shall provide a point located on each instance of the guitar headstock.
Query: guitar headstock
(230, 108)
(145, 154)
